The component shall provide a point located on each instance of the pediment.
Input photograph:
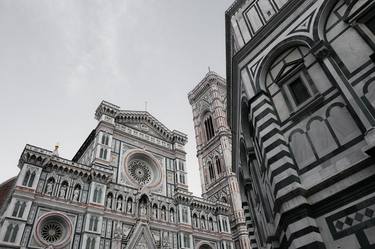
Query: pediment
(141, 238)
(145, 123)
(288, 68)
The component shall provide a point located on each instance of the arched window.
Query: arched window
(31, 181)
(211, 224)
(195, 221)
(16, 209)
(321, 137)
(155, 211)
(209, 128)
(90, 243)
(26, 178)
(103, 153)
(105, 139)
(211, 171)
(218, 165)
(97, 195)
(301, 148)
(11, 233)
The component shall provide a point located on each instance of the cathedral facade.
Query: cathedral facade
(126, 188)
(301, 106)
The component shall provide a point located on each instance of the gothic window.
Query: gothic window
(103, 153)
(343, 124)
(301, 148)
(155, 211)
(93, 224)
(211, 224)
(225, 225)
(19, 209)
(182, 179)
(209, 128)
(90, 243)
(105, 139)
(218, 165)
(321, 137)
(211, 171)
(28, 180)
(186, 240)
(11, 233)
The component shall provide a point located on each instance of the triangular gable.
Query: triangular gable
(288, 67)
(144, 122)
(141, 238)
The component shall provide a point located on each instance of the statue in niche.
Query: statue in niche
(76, 194)
(109, 202)
(49, 188)
(129, 207)
(171, 217)
(143, 209)
(154, 213)
(119, 205)
(63, 191)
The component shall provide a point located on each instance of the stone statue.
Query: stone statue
(171, 217)
(49, 188)
(119, 205)
(62, 191)
(109, 202)
(143, 209)
(129, 208)
(154, 213)
(163, 214)
(118, 231)
(76, 194)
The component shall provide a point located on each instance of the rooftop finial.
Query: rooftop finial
(56, 150)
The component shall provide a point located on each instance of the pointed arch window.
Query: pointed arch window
(209, 128)
(103, 153)
(19, 209)
(90, 243)
(105, 139)
(218, 165)
(211, 171)
(28, 179)
(11, 233)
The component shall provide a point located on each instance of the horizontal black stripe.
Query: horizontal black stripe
(285, 182)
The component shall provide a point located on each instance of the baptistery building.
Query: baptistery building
(301, 106)
(126, 188)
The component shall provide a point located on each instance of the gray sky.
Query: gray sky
(60, 58)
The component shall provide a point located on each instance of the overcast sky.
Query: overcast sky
(60, 58)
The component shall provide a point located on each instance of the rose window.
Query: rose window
(139, 171)
(53, 228)
(52, 232)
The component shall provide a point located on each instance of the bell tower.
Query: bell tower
(213, 138)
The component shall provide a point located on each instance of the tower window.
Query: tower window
(211, 171)
(299, 91)
(208, 125)
(218, 165)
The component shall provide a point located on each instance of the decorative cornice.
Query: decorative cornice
(210, 77)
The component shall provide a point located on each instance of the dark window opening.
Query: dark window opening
(299, 91)
(371, 24)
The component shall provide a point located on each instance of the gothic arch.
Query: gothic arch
(294, 41)
(203, 245)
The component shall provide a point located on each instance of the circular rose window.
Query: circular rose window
(142, 169)
(54, 229)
